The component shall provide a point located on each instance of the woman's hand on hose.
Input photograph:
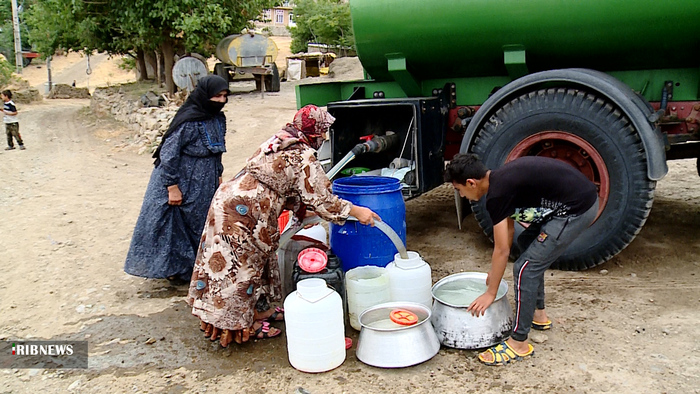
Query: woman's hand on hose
(309, 214)
(174, 195)
(364, 215)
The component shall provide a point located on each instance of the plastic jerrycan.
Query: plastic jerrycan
(332, 274)
(315, 327)
(410, 279)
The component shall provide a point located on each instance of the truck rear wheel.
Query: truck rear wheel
(220, 70)
(272, 82)
(587, 132)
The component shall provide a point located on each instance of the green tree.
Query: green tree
(6, 70)
(322, 21)
(54, 24)
(136, 26)
(7, 38)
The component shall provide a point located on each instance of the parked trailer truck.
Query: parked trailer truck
(610, 87)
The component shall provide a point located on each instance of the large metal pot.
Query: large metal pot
(399, 346)
(457, 328)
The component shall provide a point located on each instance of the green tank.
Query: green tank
(611, 87)
(467, 38)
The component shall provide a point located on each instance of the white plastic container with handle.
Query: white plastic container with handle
(410, 279)
(313, 317)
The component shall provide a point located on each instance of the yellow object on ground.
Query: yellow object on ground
(542, 326)
(503, 354)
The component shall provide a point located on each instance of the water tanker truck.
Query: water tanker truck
(610, 87)
(248, 54)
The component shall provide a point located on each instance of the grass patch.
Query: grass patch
(134, 90)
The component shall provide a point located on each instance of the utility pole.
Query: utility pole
(18, 40)
(48, 70)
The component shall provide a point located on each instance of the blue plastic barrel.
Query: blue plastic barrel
(356, 244)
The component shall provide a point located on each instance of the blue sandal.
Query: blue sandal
(504, 354)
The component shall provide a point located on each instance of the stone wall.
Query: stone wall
(22, 93)
(148, 123)
(63, 91)
(25, 96)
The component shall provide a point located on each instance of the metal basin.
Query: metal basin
(396, 346)
(457, 328)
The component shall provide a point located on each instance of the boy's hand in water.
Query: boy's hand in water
(481, 304)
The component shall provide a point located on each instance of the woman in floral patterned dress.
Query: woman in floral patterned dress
(236, 263)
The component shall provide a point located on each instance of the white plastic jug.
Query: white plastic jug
(410, 280)
(366, 286)
(313, 317)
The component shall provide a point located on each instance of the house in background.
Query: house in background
(276, 20)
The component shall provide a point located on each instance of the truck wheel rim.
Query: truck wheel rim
(571, 149)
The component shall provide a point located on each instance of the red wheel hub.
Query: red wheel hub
(571, 149)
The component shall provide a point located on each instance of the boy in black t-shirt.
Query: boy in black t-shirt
(10, 119)
(557, 200)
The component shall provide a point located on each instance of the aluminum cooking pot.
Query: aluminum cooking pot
(386, 345)
(457, 328)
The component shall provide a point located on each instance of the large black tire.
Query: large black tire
(588, 132)
(221, 71)
(275, 79)
(258, 82)
(272, 81)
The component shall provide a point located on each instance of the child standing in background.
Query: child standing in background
(11, 121)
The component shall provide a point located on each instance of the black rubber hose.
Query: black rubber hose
(376, 144)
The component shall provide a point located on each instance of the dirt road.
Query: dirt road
(70, 201)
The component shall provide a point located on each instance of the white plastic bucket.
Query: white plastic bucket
(313, 317)
(410, 279)
(366, 286)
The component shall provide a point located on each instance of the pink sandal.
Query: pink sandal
(264, 329)
(279, 312)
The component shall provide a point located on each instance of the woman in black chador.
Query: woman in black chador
(187, 173)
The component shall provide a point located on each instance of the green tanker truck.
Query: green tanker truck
(611, 87)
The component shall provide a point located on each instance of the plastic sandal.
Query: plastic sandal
(263, 332)
(504, 354)
(278, 312)
(542, 326)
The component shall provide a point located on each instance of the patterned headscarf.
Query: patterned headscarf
(309, 124)
(308, 127)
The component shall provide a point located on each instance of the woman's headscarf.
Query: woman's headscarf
(309, 124)
(198, 106)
